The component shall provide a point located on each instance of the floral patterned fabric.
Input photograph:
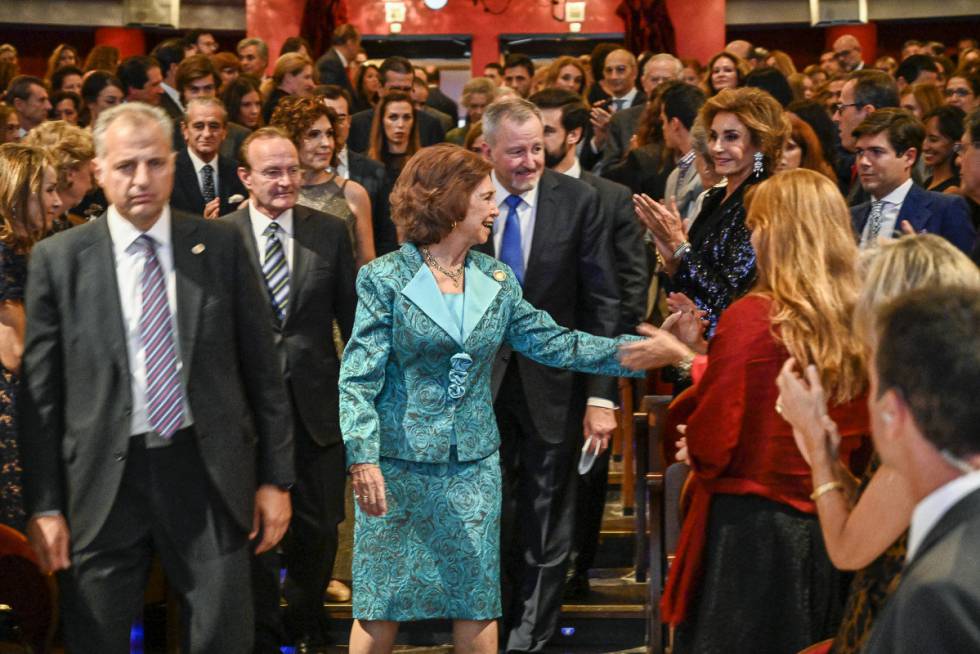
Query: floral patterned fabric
(410, 401)
(13, 273)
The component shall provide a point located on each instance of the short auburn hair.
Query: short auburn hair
(433, 191)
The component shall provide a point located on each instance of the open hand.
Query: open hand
(659, 349)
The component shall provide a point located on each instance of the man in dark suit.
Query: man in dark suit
(924, 417)
(197, 78)
(437, 98)
(169, 54)
(318, 269)
(367, 172)
(332, 66)
(154, 416)
(887, 144)
(205, 180)
(397, 74)
(565, 117)
(552, 233)
(619, 76)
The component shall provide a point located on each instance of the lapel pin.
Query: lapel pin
(198, 249)
(499, 275)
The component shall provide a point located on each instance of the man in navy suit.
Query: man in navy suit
(332, 66)
(888, 143)
(924, 418)
(205, 180)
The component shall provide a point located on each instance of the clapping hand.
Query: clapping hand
(600, 117)
(688, 326)
(803, 405)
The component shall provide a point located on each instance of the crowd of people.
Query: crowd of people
(232, 286)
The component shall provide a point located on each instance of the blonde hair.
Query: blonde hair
(807, 262)
(761, 114)
(291, 63)
(21, 176)
(555, 69)
(69, 146)
(902, 265)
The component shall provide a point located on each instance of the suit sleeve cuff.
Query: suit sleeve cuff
(601, 403)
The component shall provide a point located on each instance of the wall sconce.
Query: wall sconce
(575, 12)
(435, 4)
(394, 12)
(575, 27)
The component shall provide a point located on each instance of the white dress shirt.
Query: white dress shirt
(525, 216)
(890, 207)
(343, 164)
(626, 101)
(174, 95)
(260, 222)
(129, 262)
(198, 164)
(576, 170)
(934, 506)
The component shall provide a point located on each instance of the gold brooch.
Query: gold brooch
(499, 275)
(198, 249)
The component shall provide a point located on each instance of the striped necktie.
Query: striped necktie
(275, 271)
(164, 393)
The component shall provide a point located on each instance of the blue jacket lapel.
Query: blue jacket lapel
(423, 291)
(914, 209)
(480, 293)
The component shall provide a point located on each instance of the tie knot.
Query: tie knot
(272, 229)
(145, 244)
(513, 201)
(207, 168)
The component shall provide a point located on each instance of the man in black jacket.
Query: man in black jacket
(332, 66)
(310, 254)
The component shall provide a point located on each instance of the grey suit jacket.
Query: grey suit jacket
(321, 290)
(936, 608)
(685, 194)
(571, 275)
(76, 401)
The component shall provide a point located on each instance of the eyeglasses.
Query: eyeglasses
(839, 106)
(960, 92)
(278, 173)
(843, 54)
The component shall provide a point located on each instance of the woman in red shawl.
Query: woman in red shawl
(751, 573)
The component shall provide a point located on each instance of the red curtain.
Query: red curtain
(320, 18)
(648, 26)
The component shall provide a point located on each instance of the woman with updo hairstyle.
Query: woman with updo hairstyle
(394, 134)
(100, 91)
(72, 152)
(714, 264)
(28, 202)
(725, 71)
(751, 572)
(416, 407)
(310, 126)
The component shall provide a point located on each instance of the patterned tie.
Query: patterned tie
(164, 393)
(618, 104)
(511, 252)
(275, 271)
(874, 222)
(207, 187)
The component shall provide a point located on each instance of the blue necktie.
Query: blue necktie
(511, 252)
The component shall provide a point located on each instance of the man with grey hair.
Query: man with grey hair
(254, 55)
(205, 180)
(551, 233)
(477, 94)
(623, 124)
(847, 52)
(154, 418)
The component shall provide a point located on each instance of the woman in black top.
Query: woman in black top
(944, 128)
(394, 134)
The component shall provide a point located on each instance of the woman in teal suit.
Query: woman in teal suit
(416, 408)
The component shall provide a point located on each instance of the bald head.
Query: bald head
(739, 47)
(619, 72)
(847, 52)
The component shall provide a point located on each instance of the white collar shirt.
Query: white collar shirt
(525, 216)
(199, 164)
(890, 208)
(343, 164)
(576, 169)
(934, 506)
(173, 93)
(624, 101)
(129, 262)
(260, 222)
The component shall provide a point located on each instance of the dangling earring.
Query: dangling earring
(454, 225)
(757, 168)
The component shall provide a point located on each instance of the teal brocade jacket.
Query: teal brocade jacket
(409, 388)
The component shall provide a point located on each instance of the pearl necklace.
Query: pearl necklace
(455, 276)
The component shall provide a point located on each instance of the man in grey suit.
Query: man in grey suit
(565, 117)
(317, 267)
(332, 66)
(154, 417)
(681, 104)
(553, 235)
(924, 417)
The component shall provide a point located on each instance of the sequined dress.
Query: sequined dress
(13, 273)
(720, 267)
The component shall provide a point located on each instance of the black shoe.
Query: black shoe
(577, 587)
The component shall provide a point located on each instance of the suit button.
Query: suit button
(119, 456)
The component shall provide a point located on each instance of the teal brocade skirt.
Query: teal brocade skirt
(436, 553)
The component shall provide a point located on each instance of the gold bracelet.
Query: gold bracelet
(823, 489)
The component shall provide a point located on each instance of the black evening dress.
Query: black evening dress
(13, 273)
